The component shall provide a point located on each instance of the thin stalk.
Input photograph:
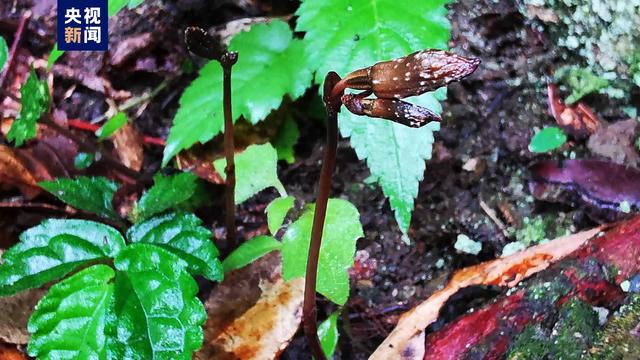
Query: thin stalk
(227, 61)
(309, 313)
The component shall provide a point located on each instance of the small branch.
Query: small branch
(492, 215)
(309, 313)
(133, 102)
(227, 61)
(14, 48)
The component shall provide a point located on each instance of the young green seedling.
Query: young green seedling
(205, 45)
(389, 81)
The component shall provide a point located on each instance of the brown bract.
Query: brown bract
(398, 111)
(411, 75)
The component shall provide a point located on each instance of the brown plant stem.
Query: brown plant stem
(14, 48)
(227, 61)
(309, 313)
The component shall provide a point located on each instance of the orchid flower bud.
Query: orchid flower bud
(412, 75)
(391, 109)
(202, 44)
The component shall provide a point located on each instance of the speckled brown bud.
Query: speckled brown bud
(391, 109)
(412, 75)
(202, 44)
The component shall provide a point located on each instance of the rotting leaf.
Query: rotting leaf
(578, 120)
(601, 183)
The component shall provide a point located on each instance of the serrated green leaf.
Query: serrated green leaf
(34, 98)
(69, 321)
(345, 35)
(341, 230)
(183, 235)
(286, 138)
(155, 313)
(4, 52)
(54, 248)
(112, 125)
(168, 192)
(276, 212)
(271, 64)
(547, 139)
(328, 334)
(250, 251)
(256, 170)
(93, 194)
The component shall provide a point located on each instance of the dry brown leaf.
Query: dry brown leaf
(128, 144)
(508, 271)
(264, 315)
(16, 310)
(14, 174)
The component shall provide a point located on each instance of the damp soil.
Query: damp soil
(480, 155)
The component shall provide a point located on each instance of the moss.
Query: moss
(549, 292)
(600, 42)
(619, 339)
(574, 331)
(530, 344)
(542, 228)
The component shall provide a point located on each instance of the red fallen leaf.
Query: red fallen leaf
(602, 183)
(579, 121)
(11, 353)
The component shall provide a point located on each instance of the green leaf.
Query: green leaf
(155, 313)
(69, 322)
(183, 235)
(54, 248)
(547, 139)
(345, 35)
(276, 212)
(341, 230)
(328, 334)
(4, 52)
(271, 64)
(54, 56)
(256, 170)
(93, 194)
(112, 125)
(34, 95)
(286, 138)
(168, 192)
(250, 251)
(83, 160)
